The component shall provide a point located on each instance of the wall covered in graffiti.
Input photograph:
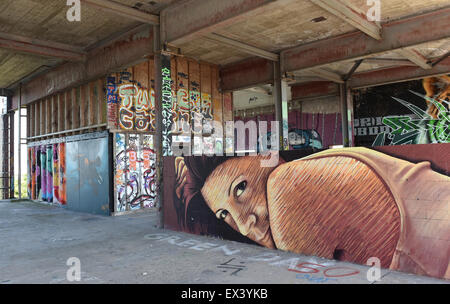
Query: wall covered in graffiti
(135, 169)
(415, 112)
(71, 171)
(347, 204)
(195, 98)
(47, 172)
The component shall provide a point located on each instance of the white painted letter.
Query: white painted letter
(74, 272)
(74, 13)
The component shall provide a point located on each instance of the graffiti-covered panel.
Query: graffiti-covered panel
(62, 199)
(120, 166)
(348, 204)
(46, 168)
(135, 172)
(189, 95)
(73, 176)
(72, 172)
(414, 112)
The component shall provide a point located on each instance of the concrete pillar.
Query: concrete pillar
(281, 106)
(344, 113)
(158, 134)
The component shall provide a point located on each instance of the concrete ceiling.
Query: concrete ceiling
(289, 23)
(267, 25)
(46, 20)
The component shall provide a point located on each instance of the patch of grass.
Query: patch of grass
(23, 187)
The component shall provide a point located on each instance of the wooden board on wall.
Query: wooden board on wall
(75, 93)
(50, 127)
(126, 114)
(102, 101)
(33, 120)
(112, 101)
(92, 103)
(42, 114)
(68, 110)
(141, 78)
(195, 94)
(61, 109)
(183, 102)
(152, 96)
(227, 107)
(38, 119)
(205, 88)
(216, 96)
(83, 106)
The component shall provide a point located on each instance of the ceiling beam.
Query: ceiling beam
(314, 89)
(403, 33)
(99, 62)
(352, 70)
(179, 27)
(397, 74)
(325, 74)
(440, 59)
(246, 74)
(415, 57)
(243, 47)
(42, 48)
(123, 10)
(344, 10)
(389, 62)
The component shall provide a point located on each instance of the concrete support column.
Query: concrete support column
(158, 134)
(281, 106)
(344, 114)
(11, 148)
(4, 178)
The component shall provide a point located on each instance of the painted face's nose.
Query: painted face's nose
(246, 224)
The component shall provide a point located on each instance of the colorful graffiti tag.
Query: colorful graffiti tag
(183, 104)
(47, 173)
(137, 106)
(346, 204)
(422, 128)
(412, 112)
(135, 172)
(167, 107)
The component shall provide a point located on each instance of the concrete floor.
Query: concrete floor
(37, 240)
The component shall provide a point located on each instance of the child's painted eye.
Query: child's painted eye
(221, 214)
(240, 188)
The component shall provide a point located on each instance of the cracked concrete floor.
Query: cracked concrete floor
(37, 240)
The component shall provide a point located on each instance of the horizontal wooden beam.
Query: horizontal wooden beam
(325, 74)
(189, 19)
(243, 75)
(346, 11)
(243, 47)
(397, 74)
(415, 57)
(403, 33)
(66, 131)
(100, 61)
(314, 89)
(43, 48)
(122, 10)
(389, 62)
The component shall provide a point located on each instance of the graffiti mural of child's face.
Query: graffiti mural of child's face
(236, 193)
